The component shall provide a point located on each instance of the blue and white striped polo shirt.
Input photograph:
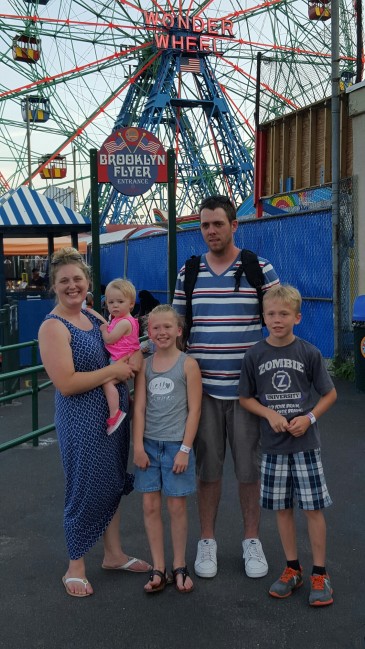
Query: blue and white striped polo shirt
(225, 324)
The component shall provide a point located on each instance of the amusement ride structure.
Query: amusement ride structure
(186, 70)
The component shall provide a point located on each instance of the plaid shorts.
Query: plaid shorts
(296, 475)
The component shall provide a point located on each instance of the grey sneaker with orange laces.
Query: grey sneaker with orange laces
(321, 591)
(289, 581)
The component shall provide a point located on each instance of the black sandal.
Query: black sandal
(159, 587)
(185, 573)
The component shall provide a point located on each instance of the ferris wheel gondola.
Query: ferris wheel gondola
(55, 168)
(39, 109)
(320, 10)
(26, 48)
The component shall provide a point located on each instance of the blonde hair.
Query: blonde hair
(165, 308)
(124, 286)
(286, 293)
(64, 257)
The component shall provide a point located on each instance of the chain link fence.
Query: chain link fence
(299, 246)
(348, 263)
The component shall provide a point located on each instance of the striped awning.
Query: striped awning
(25, 207)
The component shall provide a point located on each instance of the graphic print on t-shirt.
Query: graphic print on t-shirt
(161, 387)
(287, 397)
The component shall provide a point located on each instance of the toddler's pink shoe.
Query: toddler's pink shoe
(114, 422)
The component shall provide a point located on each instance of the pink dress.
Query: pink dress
(126, 344)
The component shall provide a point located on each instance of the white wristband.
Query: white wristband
(185, 449)
(311, 416)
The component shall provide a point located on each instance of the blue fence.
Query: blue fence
(31, 314)
(298, 245)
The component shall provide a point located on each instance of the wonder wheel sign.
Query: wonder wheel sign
(132, 160)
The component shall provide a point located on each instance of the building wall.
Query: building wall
(298, 148)
(356, 95)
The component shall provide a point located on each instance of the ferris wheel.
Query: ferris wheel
(71, 71)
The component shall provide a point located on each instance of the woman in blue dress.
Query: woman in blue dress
(94, 463)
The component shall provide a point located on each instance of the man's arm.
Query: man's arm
(270, 276)
(179, 301)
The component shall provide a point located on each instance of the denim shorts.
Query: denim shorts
(159, 475)
(296, 476)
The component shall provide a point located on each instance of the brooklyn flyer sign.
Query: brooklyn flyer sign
(132, 160)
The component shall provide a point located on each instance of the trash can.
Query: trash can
(358, 321)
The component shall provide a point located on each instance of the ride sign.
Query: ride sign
(132, 160)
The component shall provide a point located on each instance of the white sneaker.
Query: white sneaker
(255, 562)
(206, 558)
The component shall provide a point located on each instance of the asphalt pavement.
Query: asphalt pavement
(229, 611)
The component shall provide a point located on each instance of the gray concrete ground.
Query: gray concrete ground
(228, 611)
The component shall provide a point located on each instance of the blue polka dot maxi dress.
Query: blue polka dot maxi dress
(95, 464)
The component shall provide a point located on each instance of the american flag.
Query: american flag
(112, 146)
(190, 65)
(150, 146)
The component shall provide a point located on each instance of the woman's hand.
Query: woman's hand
(123, 369)
(135, 361)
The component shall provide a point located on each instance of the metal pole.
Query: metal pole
(34, 378)
(75, 180)
(257, 97)
(258, 141)
(335, 113)
(171, 235)
(95, 228)
(28, 142)
(359, 41)
(2, 275)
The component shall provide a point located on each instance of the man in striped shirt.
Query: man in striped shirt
(225, 324)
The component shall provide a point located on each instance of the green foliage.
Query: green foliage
(343, 369)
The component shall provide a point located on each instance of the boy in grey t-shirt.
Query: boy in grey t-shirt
(276, 383)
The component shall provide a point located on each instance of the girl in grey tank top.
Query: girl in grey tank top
(167, 406)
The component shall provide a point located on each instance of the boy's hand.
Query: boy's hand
(181, 462)
(299, 426)
(277, 422)
(141, 459)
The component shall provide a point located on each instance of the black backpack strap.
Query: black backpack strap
(191, 273)
(251, 267)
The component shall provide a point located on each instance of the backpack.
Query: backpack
(249, 265)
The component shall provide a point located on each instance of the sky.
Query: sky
(108, 49)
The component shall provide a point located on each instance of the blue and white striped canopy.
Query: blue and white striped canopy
(26, 207)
